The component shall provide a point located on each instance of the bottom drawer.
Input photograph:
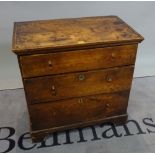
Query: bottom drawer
(77, 110)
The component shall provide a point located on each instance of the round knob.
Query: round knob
(50, 63)
(81, 77)
(113, 55)
(107, 105)
(53, 90)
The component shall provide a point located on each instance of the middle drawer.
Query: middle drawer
(51, 88)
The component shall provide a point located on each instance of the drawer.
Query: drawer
(78, 110)
(51, 88)
(80, 60)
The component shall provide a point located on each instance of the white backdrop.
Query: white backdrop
(140, 15)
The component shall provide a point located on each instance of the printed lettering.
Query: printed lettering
(145, 121)
(23, 137)
(68, 141)
(55, 141)
(128, 133)
(81, 136)
(112, 128)
(95, 137)
(11, 141)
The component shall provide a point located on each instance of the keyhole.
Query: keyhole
(81, 77)
(80, 100)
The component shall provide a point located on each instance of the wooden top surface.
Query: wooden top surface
(71, 33)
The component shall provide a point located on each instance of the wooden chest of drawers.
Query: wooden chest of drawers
(76, 72)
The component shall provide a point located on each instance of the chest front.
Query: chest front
(76, 72)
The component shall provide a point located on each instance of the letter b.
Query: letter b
(11, 141)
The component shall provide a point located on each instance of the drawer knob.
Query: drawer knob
(50, 63)
(81, 77)
(107, 105)
(53, 90)
(109, 78)
(113, 55)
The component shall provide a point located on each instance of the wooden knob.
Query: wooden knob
(107, 105)
(53, 90)
(113, 56)
(50, 63)
(53, 87)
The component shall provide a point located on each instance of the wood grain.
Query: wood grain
(75, 32)
(80, 60)
(39, 135)
(69, 85)
(76, 72)
(78, 110)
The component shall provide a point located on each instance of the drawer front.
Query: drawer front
(51, 88)
(78, 110)
(81, 60)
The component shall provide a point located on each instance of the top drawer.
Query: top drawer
(80, 60)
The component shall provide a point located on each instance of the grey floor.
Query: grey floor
(13, 114)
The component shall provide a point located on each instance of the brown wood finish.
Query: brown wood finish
(40, 135)
(83, 109)
(80, 60)
(51, 88)
(75, 32)
(76, 72)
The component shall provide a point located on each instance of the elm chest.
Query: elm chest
(76, 72)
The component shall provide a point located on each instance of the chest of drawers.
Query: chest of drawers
(76, 72)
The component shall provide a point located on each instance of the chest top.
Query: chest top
(55, 35)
